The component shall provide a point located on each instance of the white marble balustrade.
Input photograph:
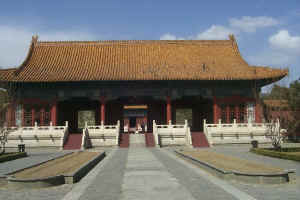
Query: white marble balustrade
(172, 134)
(100, 135)
(37, 136)
(226, 133)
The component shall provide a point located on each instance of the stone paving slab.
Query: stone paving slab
(147, 178)
(104, 181)
(274, 192)
(198, 186)
(51, 193)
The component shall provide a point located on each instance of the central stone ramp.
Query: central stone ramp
(73, 141)
(146, 177)
(137, 140)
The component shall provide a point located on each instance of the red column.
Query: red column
(215, 110)
(102, 109)
(54, 113)
(258, 115)
(169, 110)
(32, 116)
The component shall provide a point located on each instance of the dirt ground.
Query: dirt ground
(229, 163)
(64, 165)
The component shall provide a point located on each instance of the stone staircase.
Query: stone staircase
(124, 140)
(199, 140)
(137, 140)
(149, 140)
(73, 141)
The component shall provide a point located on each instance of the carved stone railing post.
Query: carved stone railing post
(155, 133)
(51, 126)
(102, 125)
(234, 123)
(84, 136)
(188, 132)
(117, 132)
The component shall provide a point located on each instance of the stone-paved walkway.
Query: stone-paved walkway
(147, 178)
(144, 173)
(104, 181)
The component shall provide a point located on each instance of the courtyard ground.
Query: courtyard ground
(151, 173)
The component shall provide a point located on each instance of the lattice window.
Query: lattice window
(250, 112)
(241, 113)
(18, 114)
(231, 112)
(42, 115)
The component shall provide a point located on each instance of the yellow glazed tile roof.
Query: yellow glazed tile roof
(137, 60)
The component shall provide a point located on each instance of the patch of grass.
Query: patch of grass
(290, 149)
(67, 164)
(12, 156)
(230, 163)
(285, 153)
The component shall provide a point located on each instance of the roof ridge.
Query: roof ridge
(9, 69)
(33, 43)
(236, 50)
(115, 42)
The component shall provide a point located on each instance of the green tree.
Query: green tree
(278, 92)
(294, 104)
(294, 95)
(285, 99)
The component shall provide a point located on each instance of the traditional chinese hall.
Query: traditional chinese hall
(135, 82)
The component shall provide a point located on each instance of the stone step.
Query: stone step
(137, 140)
(150, 140)
(199, 139)
(124, 140)
(73, 141)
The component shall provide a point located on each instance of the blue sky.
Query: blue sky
(268, 32)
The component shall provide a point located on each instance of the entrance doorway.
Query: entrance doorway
(135, 118)
(132, 122)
